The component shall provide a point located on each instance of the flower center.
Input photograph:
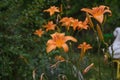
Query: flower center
(59, 43)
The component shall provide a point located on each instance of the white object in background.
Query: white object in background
(114, 49)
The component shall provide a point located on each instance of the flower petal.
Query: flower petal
(87, 10)
(65, 47)
(70, 38)
(50, 45)
(50, 42)
(50, 48)
(108, 11)
(57, 34)
(99, 18)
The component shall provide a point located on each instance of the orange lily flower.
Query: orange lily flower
(50, 26)
(98, 12)
(67, 22)
(75, 24)
(52, 10)
(59, 40)
(83, 25)
(39, 32)
(84, 46)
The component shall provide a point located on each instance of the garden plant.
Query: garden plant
(62, 50)
(57, 39)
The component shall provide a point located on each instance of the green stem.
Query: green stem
(98, 52)
(99, 44)
(76, 64)
(112, 65)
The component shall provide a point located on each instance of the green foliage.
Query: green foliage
(19, 48)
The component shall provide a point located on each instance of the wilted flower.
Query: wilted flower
(59, 58)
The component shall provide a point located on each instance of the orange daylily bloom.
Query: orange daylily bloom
(59, 40)
(52, 10)
(50, 26)
(67, 22)
(98, 12)
(75, 24)
(83, 24)
(84, 46)
(39, 32)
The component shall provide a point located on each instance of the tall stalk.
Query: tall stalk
(98, 52)
(76, 67)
